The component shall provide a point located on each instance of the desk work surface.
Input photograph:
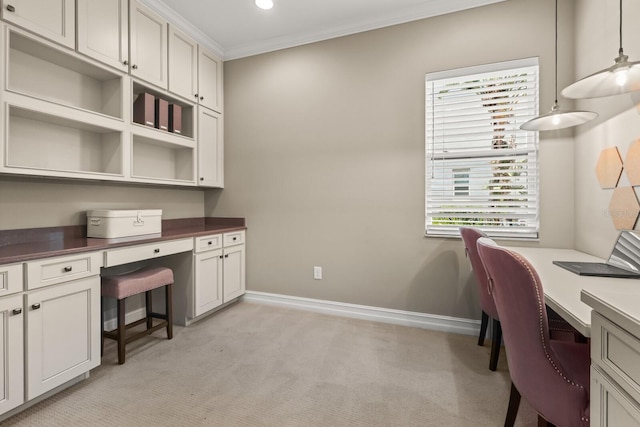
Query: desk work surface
(34, 243)
(562, 288)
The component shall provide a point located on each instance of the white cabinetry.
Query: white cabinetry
(63, 116)
(103, 31)
(11, 338)
(63, 333)
(210, 148)
(53, 19)
(218, 276)
(183, 65)
(210, 76)
(148, 33)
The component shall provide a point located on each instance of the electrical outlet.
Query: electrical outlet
(317, 273)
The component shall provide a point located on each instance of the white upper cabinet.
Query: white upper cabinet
(210, 148)
(53, 19)
(209, 80)
(103, 31)
(148, 41)
(183, 64)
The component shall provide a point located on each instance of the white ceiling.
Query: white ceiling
(237, 28)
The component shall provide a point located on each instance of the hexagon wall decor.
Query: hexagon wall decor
(609, 167)
(632, 163)
(624, 208)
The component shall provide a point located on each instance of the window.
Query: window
(481, 169)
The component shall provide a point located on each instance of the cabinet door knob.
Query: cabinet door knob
(226, 256)
(202, 98)
(10, 8)
(196, 95)
(17, 311)
(125, 62)
(68, 269)
(201, 178)
(134, 66)
(35, 306)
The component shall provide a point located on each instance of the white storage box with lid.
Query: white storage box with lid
(112, 224)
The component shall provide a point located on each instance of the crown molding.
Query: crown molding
(426, 10)
(183, 25)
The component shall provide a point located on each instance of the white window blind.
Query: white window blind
(481, 169)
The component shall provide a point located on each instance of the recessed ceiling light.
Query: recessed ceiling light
(264, 4)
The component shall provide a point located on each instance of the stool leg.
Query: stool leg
(101, 326)
(149, 309)
(169, 310)
(122, 330)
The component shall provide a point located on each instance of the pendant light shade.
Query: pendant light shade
(622, 77)
(557, 118)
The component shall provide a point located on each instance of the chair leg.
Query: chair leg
(169, 310)
(149, 309)
(495, 344)
(512, 410)
(122, 331)
(483, 328)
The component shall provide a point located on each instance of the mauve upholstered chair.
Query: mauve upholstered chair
(552, 375)
(470, 236)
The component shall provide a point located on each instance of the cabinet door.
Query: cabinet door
(103, 31)
(210, 148)
(148, 32)
(210, 80)
(234, 283)
(63, 333)
(53, 19)
(11, 353)
(208, 282)
(610, 405)
(183, 64)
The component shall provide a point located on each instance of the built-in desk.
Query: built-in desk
(608, 311)
(50, 294)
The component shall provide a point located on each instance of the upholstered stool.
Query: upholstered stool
(125, 285)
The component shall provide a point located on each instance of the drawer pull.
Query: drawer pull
(68, 269)
(235, 238)
(35, 306)
(209, 243)
(157, 251)
(17, 311)
(10, 8)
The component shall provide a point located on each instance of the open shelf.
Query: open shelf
(188, 111)
(43, 71)
(43, 141)
(157, 160)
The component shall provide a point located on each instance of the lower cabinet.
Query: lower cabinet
(12, 354)
(219, 272)
(62, 333)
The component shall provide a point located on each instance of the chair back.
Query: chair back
(470, 236)
(556, 390)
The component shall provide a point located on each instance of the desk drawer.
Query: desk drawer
(10, 279)
(616, 352)
(233, 238)
(130, 254)
(50, 271)
(208, 243)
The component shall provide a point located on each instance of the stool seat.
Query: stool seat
(128, 284)
(145, 279)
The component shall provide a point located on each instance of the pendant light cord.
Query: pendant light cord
(620, 50)
(556, 103)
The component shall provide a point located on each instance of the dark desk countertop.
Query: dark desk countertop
(34, 243)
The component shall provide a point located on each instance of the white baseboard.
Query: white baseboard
(129, 316)
(386, 315)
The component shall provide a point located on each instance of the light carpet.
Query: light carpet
(253, 364)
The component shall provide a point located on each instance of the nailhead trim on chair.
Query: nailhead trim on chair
(544, 342)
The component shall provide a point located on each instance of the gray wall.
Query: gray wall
(324, 147)
(43, 202)
(619, 121)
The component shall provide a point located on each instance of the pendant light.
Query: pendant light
(557, 118)
(621, 77)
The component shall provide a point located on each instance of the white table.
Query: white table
(562, 288)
